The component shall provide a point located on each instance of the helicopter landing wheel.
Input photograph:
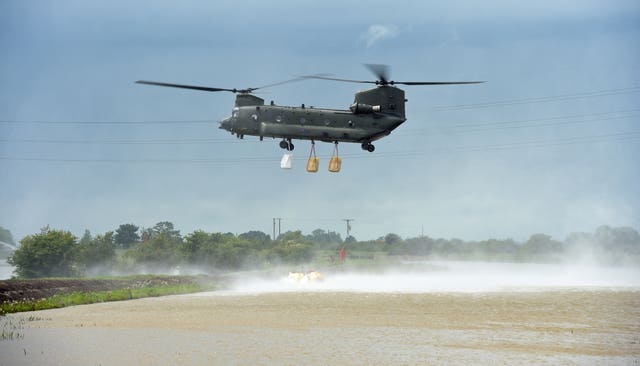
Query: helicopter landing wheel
(286, 144)
(368, 147)
(289, 145)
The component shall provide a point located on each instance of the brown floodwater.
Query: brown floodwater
(554, 326)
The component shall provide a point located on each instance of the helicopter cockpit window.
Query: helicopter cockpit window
(234, 114)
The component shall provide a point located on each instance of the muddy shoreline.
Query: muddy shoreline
(25, 289)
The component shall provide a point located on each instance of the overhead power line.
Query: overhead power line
(98, 123)
(452, 128)
(527, 123)
(126, 141)
(629, 135)
(545, 99)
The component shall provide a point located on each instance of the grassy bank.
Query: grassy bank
(48, 293)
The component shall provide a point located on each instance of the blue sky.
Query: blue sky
(559, 152)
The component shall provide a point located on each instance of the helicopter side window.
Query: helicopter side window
(302, 120)
(278, 118)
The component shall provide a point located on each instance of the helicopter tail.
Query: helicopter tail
(383, 99)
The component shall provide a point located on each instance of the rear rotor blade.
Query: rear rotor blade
(434, 82)
(379, 70)
(194, 87)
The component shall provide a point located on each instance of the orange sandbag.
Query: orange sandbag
(334, 164)
(313, 164)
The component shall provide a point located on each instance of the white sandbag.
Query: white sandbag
(287, 161)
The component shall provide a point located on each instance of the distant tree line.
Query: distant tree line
(56, 253)
(607, 246)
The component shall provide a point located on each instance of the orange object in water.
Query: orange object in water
(334, 164)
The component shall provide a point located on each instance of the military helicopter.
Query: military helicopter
(373, 114)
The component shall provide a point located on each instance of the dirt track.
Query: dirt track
(552, 327)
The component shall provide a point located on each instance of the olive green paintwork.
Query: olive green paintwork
(374, 114)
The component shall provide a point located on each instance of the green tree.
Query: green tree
(161, 250)
(255, 236)
(540, 247)
(96, 254)
(350, 239)
(86, 237)
(292, 247)
(46, 254)
(126, 236)
(320, 236)
(194, 247)
(392, 239)
(164, 228)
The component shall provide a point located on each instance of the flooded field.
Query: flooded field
(349, 319)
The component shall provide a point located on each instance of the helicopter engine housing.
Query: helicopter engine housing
(361, 108)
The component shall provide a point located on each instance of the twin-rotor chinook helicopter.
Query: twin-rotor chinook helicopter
(373, 114)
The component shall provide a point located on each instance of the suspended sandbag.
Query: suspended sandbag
(313, 164)
(334, 164)
(336, 161)
(314, 161)
(287, 161)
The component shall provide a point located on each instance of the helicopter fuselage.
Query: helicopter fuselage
(309, 123)
(374, 114)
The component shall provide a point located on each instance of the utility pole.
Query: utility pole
(279, 225)
(274, 228)
(348, 227)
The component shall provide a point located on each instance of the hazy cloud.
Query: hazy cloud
(379, 32)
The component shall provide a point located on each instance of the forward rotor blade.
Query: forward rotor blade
(279, 83)
(336, 79)
(434, 82)
(194, 87)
